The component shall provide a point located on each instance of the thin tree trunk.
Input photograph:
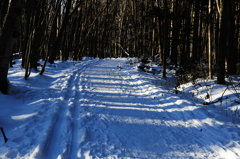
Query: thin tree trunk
(175, 34)
(231, 46)
(166, 39)
(195, 54)
(210, 74)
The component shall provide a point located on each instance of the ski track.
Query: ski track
(63, 133)
(108, 112)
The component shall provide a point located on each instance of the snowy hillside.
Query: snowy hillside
(109, 108)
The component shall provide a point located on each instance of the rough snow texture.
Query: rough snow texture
(108, 109)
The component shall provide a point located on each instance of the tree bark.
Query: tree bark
(231, 46)
(175, 33)
(210, 74)
(196, 38)
(222, 44)
(166, 37)
(10, 27)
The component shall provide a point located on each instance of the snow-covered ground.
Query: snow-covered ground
(110, 109)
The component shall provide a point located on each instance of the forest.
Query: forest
(190, 34)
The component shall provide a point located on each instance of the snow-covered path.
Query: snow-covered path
(102, 111)
(124, 115)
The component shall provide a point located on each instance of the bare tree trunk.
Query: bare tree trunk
(3, 11)
(10, 27)
(222, 44)
(166, 39)
(153, 46)
(175, 33)
(195, 54)
(231, 47)
(210, 74)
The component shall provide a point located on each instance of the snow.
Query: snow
(108, 108)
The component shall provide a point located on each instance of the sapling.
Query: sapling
(4, 135)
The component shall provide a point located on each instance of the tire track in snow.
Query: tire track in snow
(63, 133)
(86, 118)
(75, 124)
(78, 133)
(53, 145)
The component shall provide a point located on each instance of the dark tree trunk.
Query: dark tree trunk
(166, 38)
(222, 44)
(175, 34)
(3, 11)
(196, 32)
(10, 27)
(231, 46)
(210, 73)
